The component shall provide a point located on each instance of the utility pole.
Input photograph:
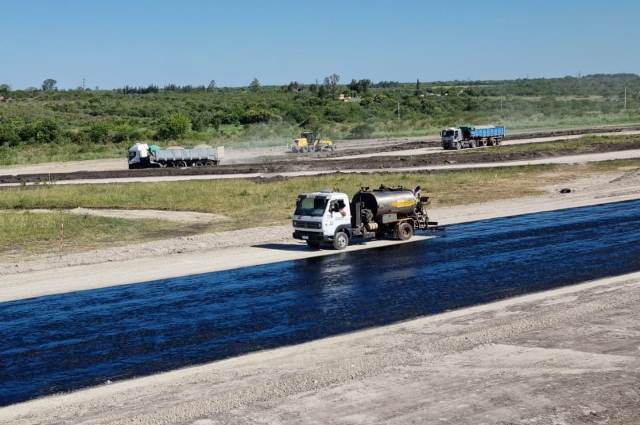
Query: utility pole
(625, 98)
(83, 83)
(398, 109)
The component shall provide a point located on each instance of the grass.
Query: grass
(247, 203)
(57, 232)
(57, 152)
(252, 203)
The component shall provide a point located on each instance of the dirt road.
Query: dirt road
(436, 149)
(361, 148)
(377, 167)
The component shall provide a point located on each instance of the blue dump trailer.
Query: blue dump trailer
(471, 137)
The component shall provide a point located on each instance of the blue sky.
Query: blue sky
(113, 43)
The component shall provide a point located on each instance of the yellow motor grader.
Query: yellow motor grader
(308, 143)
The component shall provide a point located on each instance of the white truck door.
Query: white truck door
(339, 214)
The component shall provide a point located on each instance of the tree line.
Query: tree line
(170, 112)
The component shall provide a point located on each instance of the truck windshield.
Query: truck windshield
(311, 206)
(447, 133)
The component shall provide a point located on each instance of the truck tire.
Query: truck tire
(404, 231)
(472, 144)
(458, 146)
(341, 241)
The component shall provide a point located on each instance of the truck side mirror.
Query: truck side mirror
(424, 199)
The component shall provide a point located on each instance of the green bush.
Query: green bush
(9, 133)
(43, 131)
(98, 132)
(175, 126)
(127, 133)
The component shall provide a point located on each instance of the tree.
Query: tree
(49, 84)
(5, 88)
(360, 86)
(418, 86)
(294, 86)
(212, 85)
(255, 84)
(331, 83)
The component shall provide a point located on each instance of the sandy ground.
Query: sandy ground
(567, 356)
(51, 274)
(67, 167)
(568, 159)
(189, 217)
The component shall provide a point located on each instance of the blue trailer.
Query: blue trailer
(471, 137)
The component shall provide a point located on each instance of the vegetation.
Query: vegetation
(79, 122)
(247, 203)
(26, 232)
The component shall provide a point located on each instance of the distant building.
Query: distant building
(344, 98)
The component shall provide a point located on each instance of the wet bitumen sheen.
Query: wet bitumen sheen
(69, 341)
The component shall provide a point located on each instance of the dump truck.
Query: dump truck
(142, 155)
(308, 143)
(330, 218)
(471, 137)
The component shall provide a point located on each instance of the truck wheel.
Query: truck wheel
(458, 146)
(313, 244)
(404, 231)
(341, 241)
(472, 144)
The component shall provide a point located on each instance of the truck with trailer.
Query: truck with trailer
(142, 155)
(471, 137)
(330, 218)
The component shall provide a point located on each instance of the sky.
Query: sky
(139, 42)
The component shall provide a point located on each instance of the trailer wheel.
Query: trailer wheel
(404, 231)
(341, 241)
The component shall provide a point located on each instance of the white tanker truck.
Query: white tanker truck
(329, 217)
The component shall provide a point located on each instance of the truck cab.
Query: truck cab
(452, 138)
(322, 217)
(138, 156)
